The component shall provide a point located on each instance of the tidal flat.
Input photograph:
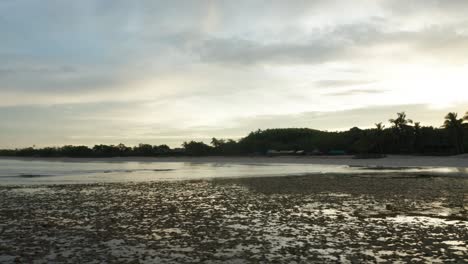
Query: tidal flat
(302, 219)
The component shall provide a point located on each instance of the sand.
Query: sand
(314, 218)
(460, 161)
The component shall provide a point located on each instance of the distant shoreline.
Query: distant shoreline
(390, 161)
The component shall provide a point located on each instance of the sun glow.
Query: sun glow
(435, 87)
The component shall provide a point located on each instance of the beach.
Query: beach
(460, 161)
(233, 132)
(388, 217)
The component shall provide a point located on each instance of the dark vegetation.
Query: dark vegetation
(403, 137)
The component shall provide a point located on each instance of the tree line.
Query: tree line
(403, 136)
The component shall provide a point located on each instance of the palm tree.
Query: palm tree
(417, 136)
(401, 121)
(217, 142)
(379, 127)
(455, 127)
(379, 131)
(401, 128)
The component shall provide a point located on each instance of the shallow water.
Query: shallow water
(55, 172)
(322, 219)
(234, 214)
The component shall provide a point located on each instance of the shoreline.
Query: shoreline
(460, 161)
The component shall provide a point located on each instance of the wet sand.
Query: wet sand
(314, 218)
(460, 161)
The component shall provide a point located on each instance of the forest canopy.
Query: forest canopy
(404, 136)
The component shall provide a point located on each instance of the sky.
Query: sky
(94, 71)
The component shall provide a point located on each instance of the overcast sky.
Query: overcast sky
(92, 71)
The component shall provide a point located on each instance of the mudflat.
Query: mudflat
(313, 218)
(460, 161)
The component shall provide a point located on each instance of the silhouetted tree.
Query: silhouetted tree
(197, 148)
(403, 133)
(417, 136)
(379, 129)
(225, 147)
(217, 142)
(162, 149)
(401, 121)
(455, 128)
(400, 138)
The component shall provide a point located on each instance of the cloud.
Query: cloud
(350, 42)
(90, 124)
(340, 83)
(194, 65)
(342, 120)
(108, 44)
(246, 52)
(355, 92)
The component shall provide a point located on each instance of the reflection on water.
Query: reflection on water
(47, 172)
(243, 220)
